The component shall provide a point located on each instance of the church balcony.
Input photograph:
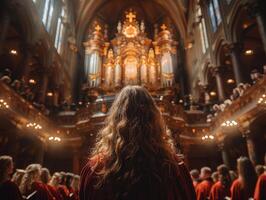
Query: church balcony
(242, 112)
(23, 114)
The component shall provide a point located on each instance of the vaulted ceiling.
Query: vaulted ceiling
(111, 11)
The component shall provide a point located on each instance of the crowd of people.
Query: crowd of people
(236, 93)
(247, 183)
(35, 183)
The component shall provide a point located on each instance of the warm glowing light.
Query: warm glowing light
(54, 139)
(207, 137)
(262, 99)
(230, 81)
(13, 51)
(49, 94)
(229, 123)
(212, 93)
(3, 104)
(249, 52)
(32, 81)
(34, 126)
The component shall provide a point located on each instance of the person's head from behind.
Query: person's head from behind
(259, 169)
(32, 174)
(56, 179)
(247, 174)
(17, 176)
(69, 179)
(45, 175)
(6, 167)
(215, 177)
(205, 173)
(75, 182)
(224, 175)
(194, 173)
(134, 136)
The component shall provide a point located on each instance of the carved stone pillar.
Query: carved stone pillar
(76, 161)
(219, 82)
(254, 10)
(4, 24)
(43, 88)
(227, 160)
(39, 152)
(251, 147)
(235, 51)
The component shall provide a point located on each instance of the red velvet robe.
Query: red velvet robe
(9, 191)
(41, 190)
(238, 192)
(219, 191)
(260, 190)
(203, 189)
(183, 190)
(54, 192)
(63, 191)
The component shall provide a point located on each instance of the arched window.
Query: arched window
(215, 15)
(48, 14)
(60, 31)
(202, 28)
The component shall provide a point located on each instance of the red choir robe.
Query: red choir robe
(260, 190)
(238, 192)
(73, 195)
(203, 189)
(219, 191)
(56, 195)
(183, 190)
(39, 192)
(63, 191)
(9, 191)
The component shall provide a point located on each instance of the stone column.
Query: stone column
(254, 11)
(219, 82)
(4, 23)
(251, 147)
(43, 88)
(39, 151)
(235, 51)
(227, 160)
(76, 161)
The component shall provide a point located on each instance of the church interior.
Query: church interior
(62, 62)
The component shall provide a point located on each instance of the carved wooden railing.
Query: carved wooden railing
(24, 112)
(244, 107)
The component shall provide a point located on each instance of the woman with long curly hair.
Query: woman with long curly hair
(134, 157)
(243, 187)
(31, 185)
(8, 189)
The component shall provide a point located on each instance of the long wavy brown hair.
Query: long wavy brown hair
(135, 148)
(247, 175)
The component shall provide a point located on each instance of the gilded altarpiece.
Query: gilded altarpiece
(130, 58)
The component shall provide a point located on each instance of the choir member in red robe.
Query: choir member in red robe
(243, 187)
(195, 177)
(204, 187)
(8, 189)
(31, 187)
(45, 178)
(260, 190)
(221, 188)
(134, 157)
(62, 188)
(75, 188)
(53, 186)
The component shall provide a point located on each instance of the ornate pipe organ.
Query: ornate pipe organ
(131, 58)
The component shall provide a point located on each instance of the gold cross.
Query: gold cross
(131, 16)
(164, 27)
(98, 27)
